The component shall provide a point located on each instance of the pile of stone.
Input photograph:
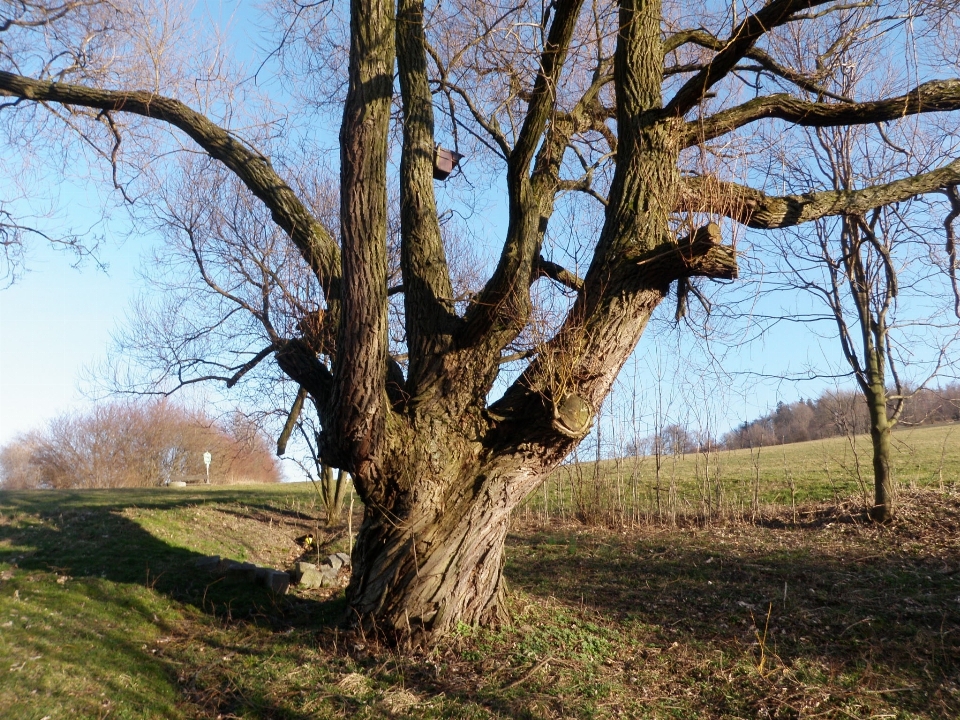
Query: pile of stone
(306, 575)
(326, 574)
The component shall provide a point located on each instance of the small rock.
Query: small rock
(328, 571)
(332, 562)
(344, 558)
(311, 577)
(278, 581)
(210, 563)
(299, 568)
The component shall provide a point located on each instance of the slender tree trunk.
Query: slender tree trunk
(333, 487)
(871, 375)
(880, 431)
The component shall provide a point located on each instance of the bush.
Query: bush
(136, 444)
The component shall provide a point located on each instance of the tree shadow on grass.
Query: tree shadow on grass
(106, 565)
(846, 607)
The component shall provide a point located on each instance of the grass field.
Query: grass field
(741, 483)
(803, 611)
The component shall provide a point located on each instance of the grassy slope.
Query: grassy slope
(96, 584)
(103, 614)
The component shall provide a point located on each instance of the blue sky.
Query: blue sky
(54, 322)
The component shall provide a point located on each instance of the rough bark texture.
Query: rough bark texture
(359, 396)
(433, 558)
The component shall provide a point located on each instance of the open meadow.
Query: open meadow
(797, 610)
(740, 484)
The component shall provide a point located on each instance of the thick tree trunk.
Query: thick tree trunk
(430, 551)
(419, 574)
(429, 555)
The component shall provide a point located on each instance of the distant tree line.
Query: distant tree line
(673, 439)
(137, 443)
(839, 413)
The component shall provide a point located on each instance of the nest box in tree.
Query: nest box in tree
(444, 161)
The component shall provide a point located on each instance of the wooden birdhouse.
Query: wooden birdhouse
(444, 161)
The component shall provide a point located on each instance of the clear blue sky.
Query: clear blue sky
(54, 322)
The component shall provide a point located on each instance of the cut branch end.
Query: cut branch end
(698, 255)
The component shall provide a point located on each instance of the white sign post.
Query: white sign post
(207, 457)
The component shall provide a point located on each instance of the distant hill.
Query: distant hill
(836, 414)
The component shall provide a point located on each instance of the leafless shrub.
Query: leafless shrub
(137, 444)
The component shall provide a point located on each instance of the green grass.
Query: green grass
(103, 614)
(98, 583)
(740, 483)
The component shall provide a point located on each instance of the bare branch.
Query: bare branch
(756, 209)
(557, 273)
(545, 87)
(315, 244)
(250, 365)
(292, 418)
(953, 195)
(740, 43)
(933, 96)
(764, 60)
(501, 300)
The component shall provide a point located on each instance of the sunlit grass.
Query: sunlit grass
(741, 483)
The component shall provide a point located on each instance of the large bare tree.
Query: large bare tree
(640, 107)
